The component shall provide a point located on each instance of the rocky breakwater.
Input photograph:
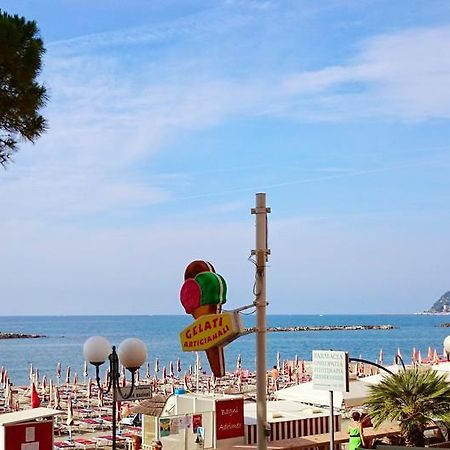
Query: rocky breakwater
(7, 335)
(324, 328)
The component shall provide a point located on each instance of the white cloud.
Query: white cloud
(401, 75)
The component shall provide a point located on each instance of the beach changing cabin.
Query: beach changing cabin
(191, 421)
(30, 429)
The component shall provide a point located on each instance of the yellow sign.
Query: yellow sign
(209, 331)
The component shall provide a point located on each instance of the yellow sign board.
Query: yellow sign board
(209, 331)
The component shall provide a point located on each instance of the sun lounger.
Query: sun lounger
(63, 444)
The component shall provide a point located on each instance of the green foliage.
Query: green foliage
(414, 398)
(21, 96)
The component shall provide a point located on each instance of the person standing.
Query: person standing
(275, 375)
(355, 431)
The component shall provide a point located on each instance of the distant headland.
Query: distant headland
(441, 306)
(6, 335)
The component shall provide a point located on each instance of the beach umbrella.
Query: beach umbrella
(303, 367)
(37, 375)
(68, 375)
(190, 371)
(430, 354)
(157, 365)
(69, 421)
(155, 384)
(107, 377)
(278, 361)
(185, 381)
(44, 385)
(101, 400)
(35, 400)
(435, 357)
(171, 372)
(31, 372)
(295, 361)
(419, 358)
(57, 398)
(85, 370)
(50, 393)
(398, 352)
(178, 366)
(239, 362)
(413, 356)
(58, 369)
(380, 357)
(164, 375)
(89, 389)
(147, 372)
(138, 374)
(7, 394)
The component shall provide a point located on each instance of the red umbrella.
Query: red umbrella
(35, 400)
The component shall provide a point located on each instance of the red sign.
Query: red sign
(196, 422)
(229, 418)
(29, 435)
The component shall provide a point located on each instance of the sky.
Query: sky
(166, 117)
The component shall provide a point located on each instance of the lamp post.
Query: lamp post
(132, 353)
(447, 347)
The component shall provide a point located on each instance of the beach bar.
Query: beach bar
(30, 429)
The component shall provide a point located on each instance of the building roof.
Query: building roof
(27, 415)
(151, 406)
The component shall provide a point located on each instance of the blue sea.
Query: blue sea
(65, 336)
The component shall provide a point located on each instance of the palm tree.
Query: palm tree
(412, 397)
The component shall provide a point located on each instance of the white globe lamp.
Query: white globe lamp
(132, 353)
(96, 349)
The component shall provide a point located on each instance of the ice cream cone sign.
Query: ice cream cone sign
(202, 295)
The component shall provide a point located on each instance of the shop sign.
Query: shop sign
(209, 331)
(229, 418)
(330, 370)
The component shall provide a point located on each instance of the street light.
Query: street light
(132, 353)
(447, 347)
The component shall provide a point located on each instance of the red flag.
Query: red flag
(35, 400)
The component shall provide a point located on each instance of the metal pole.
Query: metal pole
(331, 421)
(114, 365)
(261, 253)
